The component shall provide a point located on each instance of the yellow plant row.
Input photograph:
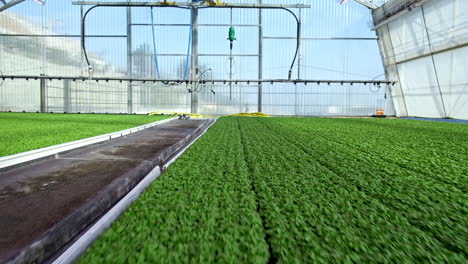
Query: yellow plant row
(255, 114)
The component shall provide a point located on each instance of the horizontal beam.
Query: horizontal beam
(204, 55)
(367, 4)
(200, 25)
(10, 4)
(61, 36)
(179, 81)
(403, 10)
(319, 38)
(186, 4)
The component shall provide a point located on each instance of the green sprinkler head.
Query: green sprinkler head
(232, 34)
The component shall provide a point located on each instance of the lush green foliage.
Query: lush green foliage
(308, 190)
(26, 131)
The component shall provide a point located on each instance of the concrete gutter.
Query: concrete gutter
(14, 160)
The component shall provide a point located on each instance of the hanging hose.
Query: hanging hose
(187, 60)
(83, 43)
(189, 49)
(298, 41)
(154, 48)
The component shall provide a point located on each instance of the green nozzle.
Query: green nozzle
(232, 34)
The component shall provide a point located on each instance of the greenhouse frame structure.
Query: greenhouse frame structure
(255, 90)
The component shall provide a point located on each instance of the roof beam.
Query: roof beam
(187, 4)
(367, 3)
(10, 4)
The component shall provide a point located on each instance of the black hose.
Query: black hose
(298, 41)
(83, 44)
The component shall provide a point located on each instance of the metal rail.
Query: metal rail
(187, 4)
(179, 81)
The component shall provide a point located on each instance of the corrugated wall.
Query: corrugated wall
(336, 44)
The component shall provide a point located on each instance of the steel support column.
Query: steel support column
(129, 61)
(66, 95)
(260, 59)
(43, 95)
(433, 62)
(400, 85)
(299, 53)
(194, 61)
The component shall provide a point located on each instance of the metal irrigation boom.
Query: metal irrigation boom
(179, 81)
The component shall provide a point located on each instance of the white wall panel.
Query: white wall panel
(420, 88)
(409, 36)
(452, 69)
(447, 23)
(426, 50)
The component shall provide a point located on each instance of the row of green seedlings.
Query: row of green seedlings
(319, 199)
(202, 209)
(420, 218)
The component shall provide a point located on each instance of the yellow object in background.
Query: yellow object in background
(255, 114)
(178, 113)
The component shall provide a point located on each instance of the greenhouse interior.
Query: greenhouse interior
(234, 131)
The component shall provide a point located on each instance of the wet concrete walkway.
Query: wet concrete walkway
(45, 204)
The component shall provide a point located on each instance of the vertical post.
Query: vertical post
(397, 71)
(433, 62)
(43, 95)
(66, 96)
(298, 63)
(260, 58)
(81, 43)
(230, 66)
(194, 66)
(299, 54)
(129, 61)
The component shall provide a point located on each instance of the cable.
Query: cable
(234, 67)
(378, 85)
(200, 77)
